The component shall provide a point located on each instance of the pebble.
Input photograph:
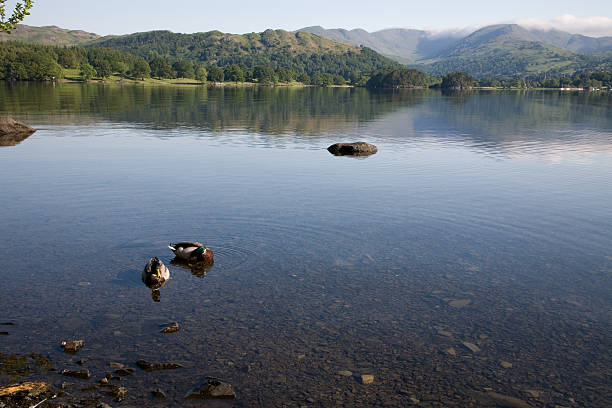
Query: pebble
(345, 373)
(83, 374)
(158, 393)
(367, 378)
(459, 303)
(506, 364)
(450, 351)
(213, 388)
(533, 393)
(145, 365)
(471, 346)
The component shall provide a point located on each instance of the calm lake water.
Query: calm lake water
(467, 263)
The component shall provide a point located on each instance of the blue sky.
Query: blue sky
(239, 16)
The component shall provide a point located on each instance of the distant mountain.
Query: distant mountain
(418, 45)
(48, 35)
(492, 51)
(403, 45)
(302, 52)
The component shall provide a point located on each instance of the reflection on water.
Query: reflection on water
(467, 262)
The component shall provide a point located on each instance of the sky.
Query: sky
(591, 17)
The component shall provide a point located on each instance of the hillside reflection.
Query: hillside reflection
(494, 121)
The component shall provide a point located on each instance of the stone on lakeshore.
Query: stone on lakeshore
(507, 401)
(213, 388)
(83, 374)
(533, 393)
(124, 372)
(158, 393)
(145, 365)
(352, 149)
(366, 378)
(450, 351)
(459, 303)
(471, 346)
(506, 364)
(345, 373)
(25, 389)
(72, 346)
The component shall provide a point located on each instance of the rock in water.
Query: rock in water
(172, 328)
(145, 365)
(84, 374)
(13, 132)
(352, 149)
(213, 388)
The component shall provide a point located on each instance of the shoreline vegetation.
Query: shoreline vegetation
(31, 62)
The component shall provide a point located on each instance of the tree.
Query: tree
(21, 10)
(215, 74)
(161, 68)
(87, 71)
(234, 73)
(457, 80)
(184, 69)
(201, 74)
(141, 69)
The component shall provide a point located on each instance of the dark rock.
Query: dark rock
(173, 328)
(84, 374)
(352, 149)
(213, 388)
(122, 372)
(158, 393)
(72, 346)
(145, 365)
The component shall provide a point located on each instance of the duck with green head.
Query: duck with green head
(192, 252)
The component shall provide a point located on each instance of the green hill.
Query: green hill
(301, 52)
(49, 35)
(509, 50)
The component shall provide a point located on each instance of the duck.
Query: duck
(155, 274)
(192, 252)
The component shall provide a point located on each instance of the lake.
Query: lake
(467, 263)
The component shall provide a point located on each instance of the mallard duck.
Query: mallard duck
(155, 274)
(192, 252)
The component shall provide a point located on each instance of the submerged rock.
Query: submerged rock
(145, 365)
(366, 378)
(213, 388)
(84, 374)
(352, 149)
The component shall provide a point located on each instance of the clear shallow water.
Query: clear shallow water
(322, 263)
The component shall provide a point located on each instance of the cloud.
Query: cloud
(597, 26)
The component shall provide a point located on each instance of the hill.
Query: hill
(507, 50)
(48, 35)
(301, 52)
(497, 50)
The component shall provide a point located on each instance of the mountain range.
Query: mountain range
(501, 50)
(418, 45)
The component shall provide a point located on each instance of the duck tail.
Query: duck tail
(172, 247)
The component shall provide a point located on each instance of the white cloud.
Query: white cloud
(597, 26)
